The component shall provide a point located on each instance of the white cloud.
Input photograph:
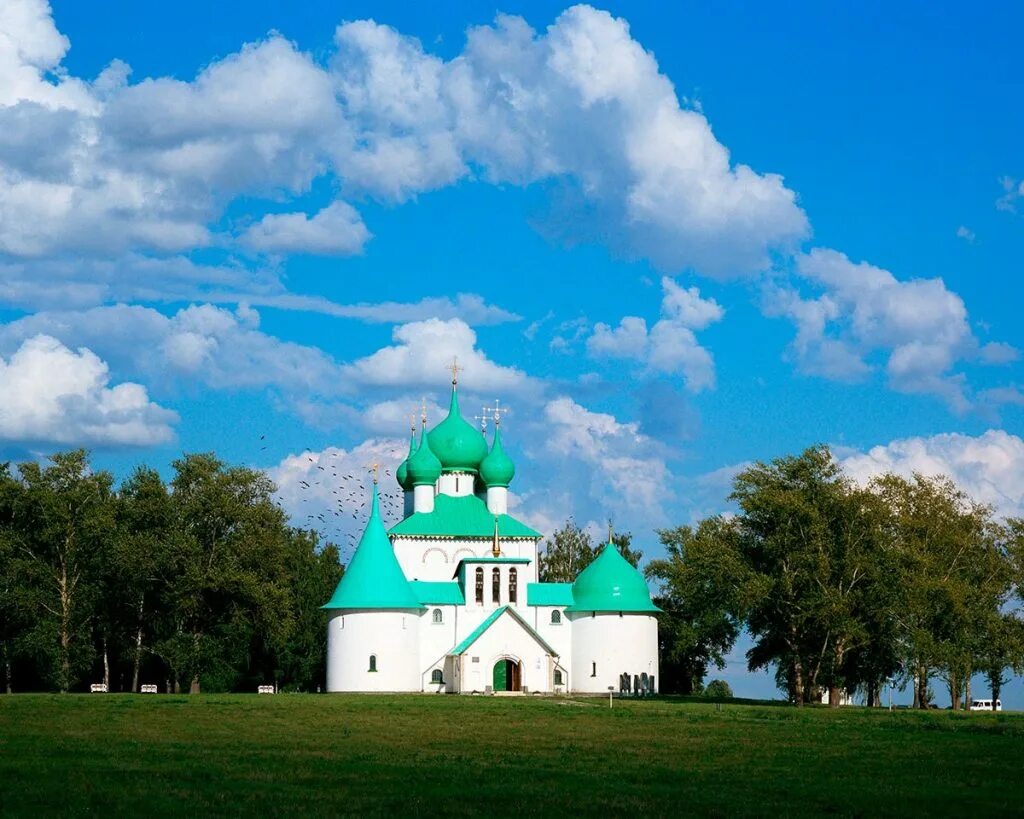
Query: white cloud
(671, 346)
(966, 234)
(620, 470)
(53, 395)
(147, 169)
(920, 324)
(421, 352)
(1013, 191)
(989, 467)
(336, 230)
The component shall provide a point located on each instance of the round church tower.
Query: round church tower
(614, 625)
(373, 630)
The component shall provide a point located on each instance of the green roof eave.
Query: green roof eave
(465, 516)
(462, 647)
(443, 593)
(549, 594)
(626, 608)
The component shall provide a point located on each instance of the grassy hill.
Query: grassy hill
(430, 756)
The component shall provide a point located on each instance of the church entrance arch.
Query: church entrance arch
(507, 675)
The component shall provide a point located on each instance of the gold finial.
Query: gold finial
(374, 468)
(496, 545)
(412, 422)
(497, 411)
(610, 535)
(423, 412)
(455, 369)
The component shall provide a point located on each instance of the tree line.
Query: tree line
(844, 588)
(199, 582)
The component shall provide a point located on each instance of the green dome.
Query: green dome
(373, 579)
(402, 473)
(423, 466)
(497, 468)
(458, 445)
(610, 583)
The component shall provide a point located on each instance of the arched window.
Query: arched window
(438, 616)
(480, 585)
(558, 676)
(373, 662)
(495, 586)
(556, 617)
(512, 580)
(436, 676)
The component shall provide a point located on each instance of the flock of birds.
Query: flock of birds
(344, 519)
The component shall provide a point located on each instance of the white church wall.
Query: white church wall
(436, 640)
(457, 484)
(497, 500)
(558, 635)
(437, 558)
(392, 637)
(606, 645)
(505, 639)
(423, 498)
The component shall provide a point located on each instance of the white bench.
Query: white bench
(147, 689)
(265, 689)
(98, 688)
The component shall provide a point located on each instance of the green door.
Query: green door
(500, 681)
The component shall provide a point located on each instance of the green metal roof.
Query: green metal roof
(402, 473)
(373, 579)
(458, 444)
(464, 516)
(497, 468)
(549, 594)
(423, 468)
(462, 647)
(495, 560)
(610, 583)
(445, 593)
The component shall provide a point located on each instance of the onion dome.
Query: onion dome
(423, 467)
(373, 579)
(611, 583)
(497, 468)
(459, 445)
(402, 473)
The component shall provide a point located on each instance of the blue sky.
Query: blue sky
(675, 238)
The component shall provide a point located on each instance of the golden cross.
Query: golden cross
(374, 467)
(455, 370)
(497, 411)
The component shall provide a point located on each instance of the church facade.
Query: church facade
(449, 600)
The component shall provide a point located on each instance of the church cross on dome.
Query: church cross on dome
(483, 418)
(497, 411)
(455, 369)
(374, 468)
(423, 412)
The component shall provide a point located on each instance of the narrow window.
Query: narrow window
(558, 676)
(456, 484)
(556, 617)
(495, 586)
(438, 617)
(512, 580)
(593, 670)
(373, 662)
(436, 676)
(480, 585)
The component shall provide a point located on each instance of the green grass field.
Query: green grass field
(427, 756)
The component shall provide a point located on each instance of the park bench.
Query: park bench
(265, 689)
(98, 688)
(149, 688)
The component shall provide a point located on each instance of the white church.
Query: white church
(449, 600)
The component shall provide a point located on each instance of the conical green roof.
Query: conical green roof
(610, 583)
(458, 444)
(402, 473)
(423, 467)
(373, 579)
(497, 468)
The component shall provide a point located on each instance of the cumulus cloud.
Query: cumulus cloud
(423, 349)
(989, 467)
(670, 346)
(54, 395)
(337, 230)
(1013, 192)
(622, 471)
(148, 168)
(919, 324)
